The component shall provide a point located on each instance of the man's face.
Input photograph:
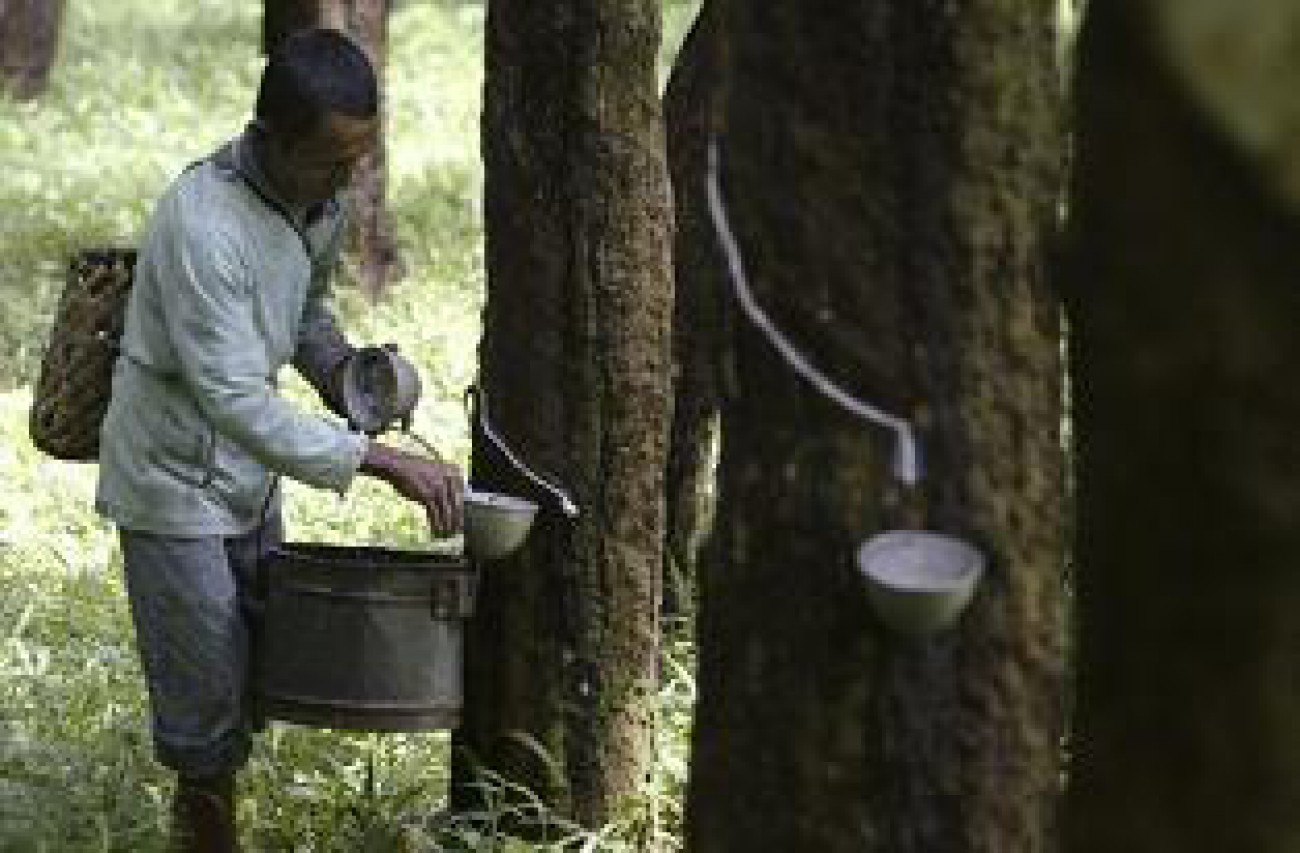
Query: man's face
(310, 168)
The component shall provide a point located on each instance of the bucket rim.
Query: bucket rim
(338, 556)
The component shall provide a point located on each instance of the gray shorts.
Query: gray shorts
(191, 601)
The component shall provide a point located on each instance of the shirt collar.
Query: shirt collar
(249, 156)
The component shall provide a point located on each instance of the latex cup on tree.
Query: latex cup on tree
(919, 582)
(496, 524)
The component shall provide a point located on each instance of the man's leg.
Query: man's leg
(245, 554)
(193, 642)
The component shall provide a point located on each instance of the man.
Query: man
(230, 286)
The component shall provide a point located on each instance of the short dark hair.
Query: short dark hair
(312, 73)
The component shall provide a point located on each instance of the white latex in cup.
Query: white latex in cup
(919, 582)
(495, 524)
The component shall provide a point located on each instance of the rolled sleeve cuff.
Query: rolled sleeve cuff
(356, 445)
(319, 353)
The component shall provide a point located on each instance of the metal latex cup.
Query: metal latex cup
(380, 389)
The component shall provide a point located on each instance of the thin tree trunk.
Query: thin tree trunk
(374, 241)
(29, 41)
(893, 175)
(1183, 313)
(561, 656)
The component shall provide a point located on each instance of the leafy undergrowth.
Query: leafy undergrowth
(76, 770)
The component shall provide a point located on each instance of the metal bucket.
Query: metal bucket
(361, 638)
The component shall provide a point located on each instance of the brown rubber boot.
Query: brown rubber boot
(203, 815)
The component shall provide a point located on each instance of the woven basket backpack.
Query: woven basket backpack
(76, 378)
(76, 375)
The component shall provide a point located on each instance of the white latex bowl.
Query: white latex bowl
(919, 582)
(496, 525)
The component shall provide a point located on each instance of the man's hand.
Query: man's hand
(437, 486)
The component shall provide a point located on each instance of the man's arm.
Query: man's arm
(322, 347)
(208, 308)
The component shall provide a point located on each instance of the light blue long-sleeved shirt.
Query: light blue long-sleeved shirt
(225, 295)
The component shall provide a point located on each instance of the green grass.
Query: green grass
(142, 88)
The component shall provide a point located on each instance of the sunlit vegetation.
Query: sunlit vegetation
(143, 87)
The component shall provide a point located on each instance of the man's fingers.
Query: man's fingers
(455, 486)
(437, 507)
(428, 493)
(435, 524)
(451, 498)
(440, 489)
(444, 510)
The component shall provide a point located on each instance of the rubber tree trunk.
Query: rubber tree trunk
(561, 656)
(1183, 314)
(699, 314)
(893, 172)
(29, 41)
(373, 243)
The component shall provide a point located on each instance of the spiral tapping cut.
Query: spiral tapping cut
(567, 506)
(907, 461)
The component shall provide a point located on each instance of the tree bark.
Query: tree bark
(893, 173)
(372, 241)
(29, 41)
(561, 656)
(699, 313)
(1183, 313)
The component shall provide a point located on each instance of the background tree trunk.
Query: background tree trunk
(561, 655)
(893, 173)
(1184, 311)
(29, 41)
(281, 17)
(699, 312)
(373, 242)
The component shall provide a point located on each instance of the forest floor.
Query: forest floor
(143, 87)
